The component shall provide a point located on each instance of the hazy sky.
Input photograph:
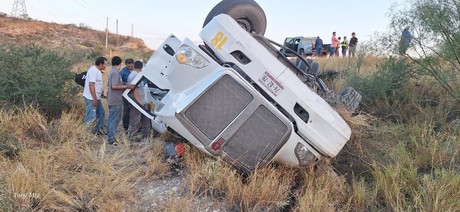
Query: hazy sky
(154, 20)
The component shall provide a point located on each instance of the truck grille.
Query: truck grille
(218, 106)
(231, 112)
(259, 134)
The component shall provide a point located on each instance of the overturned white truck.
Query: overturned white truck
(237, 97)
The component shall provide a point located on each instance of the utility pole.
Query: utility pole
(132, 30)
(117, 35)
(107, 34)
(19, 9)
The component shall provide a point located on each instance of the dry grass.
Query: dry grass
(32, 131)
(321, 189)
(265, 189)
(362, 65)
(356, 120)
(405, 160)
(176, 203)
(403, 189)
(394, 166)
(151, 156)
(60, 167)
(360, 197)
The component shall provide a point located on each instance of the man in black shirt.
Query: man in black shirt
(353, 44)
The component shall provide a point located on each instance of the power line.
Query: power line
(82, 4)
(19, 9)
(40, 3)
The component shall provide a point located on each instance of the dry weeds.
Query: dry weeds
(60, 167)
(386, 165)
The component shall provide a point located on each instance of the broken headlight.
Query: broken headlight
(304, 155)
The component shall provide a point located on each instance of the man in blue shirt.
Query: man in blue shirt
(318, 46)
(406, 37)
(124, 73)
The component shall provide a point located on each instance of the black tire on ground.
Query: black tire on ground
(247, 13)
(350, 98)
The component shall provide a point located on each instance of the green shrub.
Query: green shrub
(388, 83)
(34, 75)
(435, 45)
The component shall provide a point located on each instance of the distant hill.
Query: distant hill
(68, 36)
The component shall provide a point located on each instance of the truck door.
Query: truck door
(291, 44)
(296, 44)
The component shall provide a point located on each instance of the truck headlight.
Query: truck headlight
(304, 155)
(187, 55)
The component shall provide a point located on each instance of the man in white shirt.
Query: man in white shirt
(92, 94)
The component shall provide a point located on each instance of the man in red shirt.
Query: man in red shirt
(334, 43)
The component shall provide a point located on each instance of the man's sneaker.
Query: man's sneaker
(100, 133)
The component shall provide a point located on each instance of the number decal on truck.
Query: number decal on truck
(219, 40)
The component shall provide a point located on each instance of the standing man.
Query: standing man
(334, 43)
(124, 73)
(92, 93)
(353, 44)
(318, 46)
(136, 118)
(344, 45)
(404, 42)
(115, 88)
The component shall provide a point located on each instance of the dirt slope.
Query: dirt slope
(57, 35)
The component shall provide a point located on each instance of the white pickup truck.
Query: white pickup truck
(238, 98)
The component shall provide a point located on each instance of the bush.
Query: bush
(34, 75)
(435, 45)
(387, 83)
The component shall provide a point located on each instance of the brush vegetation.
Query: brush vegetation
(403, 156)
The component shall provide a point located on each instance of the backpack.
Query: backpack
(81, 78)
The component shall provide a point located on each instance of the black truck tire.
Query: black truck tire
(350, 98)
(247, 13)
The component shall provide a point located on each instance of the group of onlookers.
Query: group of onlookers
(336, 45)
(351, 46)
(118, 80)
